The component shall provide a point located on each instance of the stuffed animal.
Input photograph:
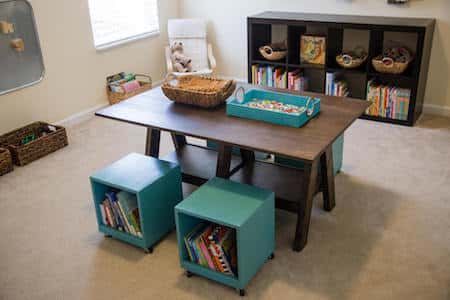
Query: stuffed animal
(181, 63)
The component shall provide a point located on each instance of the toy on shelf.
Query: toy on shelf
(394, 60)
(352, 59)
(312, 49)
(275, 51)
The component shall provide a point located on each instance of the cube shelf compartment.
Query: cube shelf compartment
(157, 186)
(247, 209)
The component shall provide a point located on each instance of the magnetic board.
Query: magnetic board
(21, 62)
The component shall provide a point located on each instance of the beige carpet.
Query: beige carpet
(388, 237)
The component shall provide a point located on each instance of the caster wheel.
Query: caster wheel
(272, 256)
(189, 274)
(149, 250)
(108, 236)
(242, 293)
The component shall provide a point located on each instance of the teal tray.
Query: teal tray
(238, 108)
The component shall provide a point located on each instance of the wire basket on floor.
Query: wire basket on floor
(6, 164)
(34, 141)
(115, 97)
(198, 91)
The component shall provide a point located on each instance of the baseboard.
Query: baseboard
(81, 116)
(438, 110)
(85, 115)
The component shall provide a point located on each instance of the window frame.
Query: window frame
(126, 40)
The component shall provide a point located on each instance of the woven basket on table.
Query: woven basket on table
(6, 164)
(198, 91)
(388, 65)
(146, 84)
(41, 146)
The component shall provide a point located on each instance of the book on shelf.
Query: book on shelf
(388, 101)
(296, 81)
(120, 211)
(213, 246)
(269, 76)
(335, 86)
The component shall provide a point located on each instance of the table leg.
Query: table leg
(247, 155)
(178, 140)
(305, 205)
(223, 161)
(327, 177)
(152, 142)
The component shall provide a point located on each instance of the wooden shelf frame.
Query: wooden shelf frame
(333, 27)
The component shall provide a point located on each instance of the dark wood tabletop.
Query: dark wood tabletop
(153, 109)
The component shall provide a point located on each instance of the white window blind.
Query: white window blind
(117, 21)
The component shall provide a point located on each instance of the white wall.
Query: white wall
(75, 71)
(227, 29)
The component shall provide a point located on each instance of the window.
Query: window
(117, 21)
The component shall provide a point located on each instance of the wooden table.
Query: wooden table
(294, 188)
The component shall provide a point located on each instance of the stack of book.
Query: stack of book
(335, 87)
(120, 211)
(296, 81)
(213, 246)
(269, 76)
(388, 101)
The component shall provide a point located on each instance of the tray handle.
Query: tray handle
(310, 111)
(239, 90)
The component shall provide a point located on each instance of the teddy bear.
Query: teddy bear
(181, 63)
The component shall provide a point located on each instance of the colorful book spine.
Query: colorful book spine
(388, 101)
(103, 214)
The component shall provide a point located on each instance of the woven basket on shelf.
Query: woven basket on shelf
(23, 154)
(6, 164)
(198, 91)
(146, 84)
(268, 53)
(349, 62)
(388, 65)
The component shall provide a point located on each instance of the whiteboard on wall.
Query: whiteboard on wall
(21, 62)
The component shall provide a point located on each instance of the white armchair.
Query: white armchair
(192, 33)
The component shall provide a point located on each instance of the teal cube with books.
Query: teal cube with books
(135, 197)
(226, 231)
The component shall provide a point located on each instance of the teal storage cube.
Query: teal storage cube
(248, 210)
(338, 155)
(157, 187)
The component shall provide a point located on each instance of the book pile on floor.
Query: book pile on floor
(213, 246)
(120, 211)
(269, 76)
(335, 87)
(296, 81)
(388, 101)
